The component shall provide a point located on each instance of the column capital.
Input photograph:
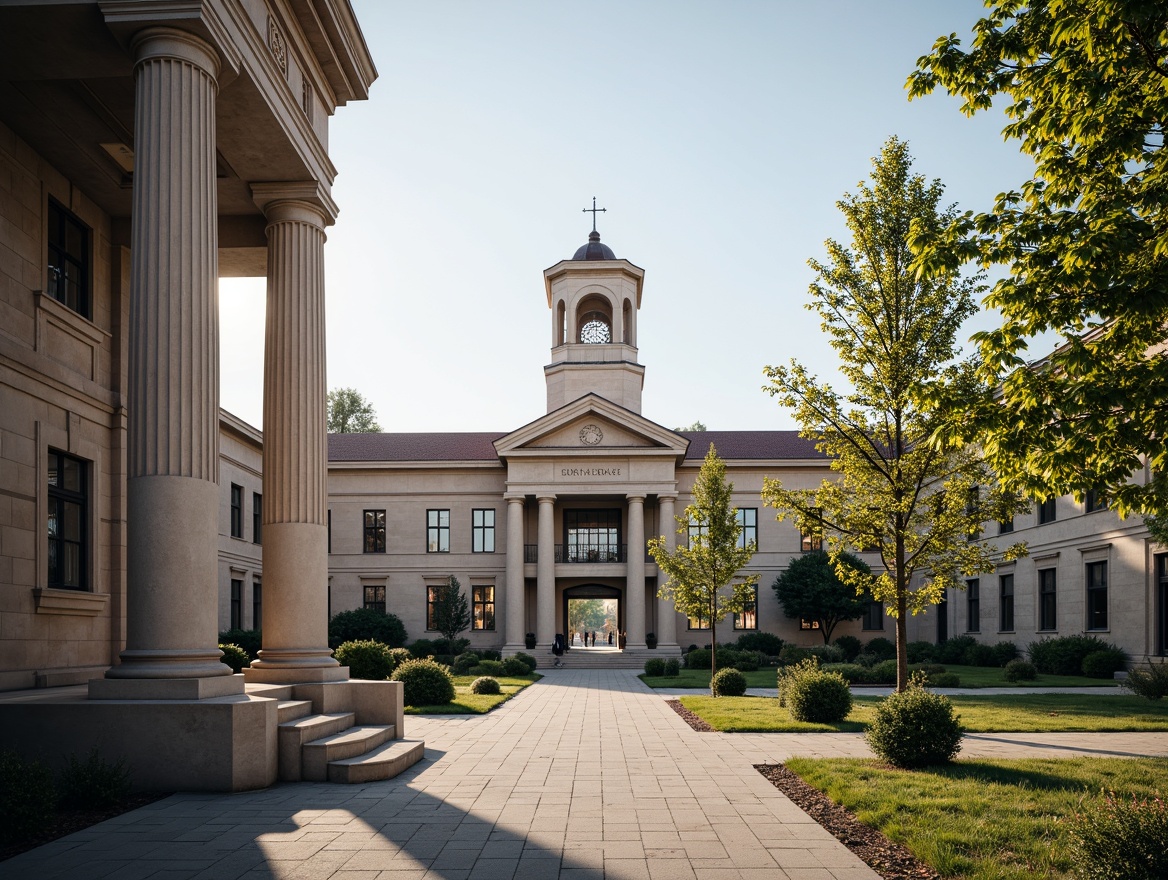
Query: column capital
(515, 499)
(669, 498)
(546, 499)
(132, 23)
(635, 499)
(305, 201)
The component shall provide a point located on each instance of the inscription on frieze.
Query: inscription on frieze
(593, 473)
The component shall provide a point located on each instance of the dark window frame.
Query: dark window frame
(874, 612)
(1047, 511)
(437, 528)
(257, 518)
(1095, 582)
(61, 501)
(63, 257)
(373, 597)
(1005, 528)
(482, 607)
(373, 530)
(257, 603)
(808, 625)
(810, 541)
(482, 531)
(236, 603)
(703, 625)
(748, 519)
(593, 533)
(1094, 501)
(747, 620)
(1047, 600)
(433, 593)
(1006, 603)
(973, 605)
(236, 511)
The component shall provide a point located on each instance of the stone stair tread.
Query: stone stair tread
(315, 756)
(292, 710)
(351, 735)
(307, 722)
(384, 762)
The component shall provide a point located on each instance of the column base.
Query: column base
(187, 689)
(169, 664)
(512, 650)
(294, 674)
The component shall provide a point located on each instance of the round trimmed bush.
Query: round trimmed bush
(530, 662)
(360, 624)
(921, 652)
(852, 673)
(850, 645)
(1004, 652)
(485, 685)
(1064, 656)
(827, 654)
(979, 655)
(698, 658)
(366, 659)
(235, 657)
(883, 648)
(655, 667)
(915, 728)
(945, 680)
(792, 655)
(1020, 670)
(465, 662)
(763, 642)
(883, 672)
(817, 696)
(426, 683)
(728, 683)
(514, 666)
(953, 650)
(492, 654)
(490, 667)
(672, 667)
(1105, 663)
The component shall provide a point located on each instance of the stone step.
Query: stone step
(293, 735)
(271, 691)
(384, 762)
(290, 710)
(315, 756)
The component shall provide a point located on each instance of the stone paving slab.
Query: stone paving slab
(587, 774)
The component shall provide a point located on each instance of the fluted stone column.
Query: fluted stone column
(295, 644)
(545, 572)
(172, 516)
(516, 598)
(666, 612)
(635, 575)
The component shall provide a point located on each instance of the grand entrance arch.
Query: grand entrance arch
(590, 608)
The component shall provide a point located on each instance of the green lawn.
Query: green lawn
(971, 677)
(1023, 713)
(466, 703)
(982, 820)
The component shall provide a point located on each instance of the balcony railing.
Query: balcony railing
(531, 553)
(594, 553)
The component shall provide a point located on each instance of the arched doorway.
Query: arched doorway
(592, 608)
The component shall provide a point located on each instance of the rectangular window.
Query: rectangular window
(1046, 512)
(1096, 595)
(812, 537)
(483, 602)
(257, 517)
(804, 623)
(236, 511)
(592, 535)
(973, 604)
(972, 500)
(695, 528)
(236, 604)
(329, 527)
(68, 249)
(257, 605)
(1047, 600)
(374, 531)
(1162, 604)
(68, 526)
(375, 598)
(748, 619)
(748, 519)
(699, 622)
(1093, 500)
(433, 597)
(1006, 602)
(482, 527)
(437, 531)
(1004, 528)
(873, 616)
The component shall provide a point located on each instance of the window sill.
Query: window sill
(77, 603)
(1004, 632)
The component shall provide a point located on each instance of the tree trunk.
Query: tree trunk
(902, 638)
(713, 648)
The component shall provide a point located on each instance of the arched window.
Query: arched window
(595, 328)
(561, 324)
(627, 323)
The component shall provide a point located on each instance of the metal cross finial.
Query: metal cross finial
(594, 210)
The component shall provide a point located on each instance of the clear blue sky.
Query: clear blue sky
(718, 136)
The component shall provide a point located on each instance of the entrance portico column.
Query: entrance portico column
(666, 612)
(516, 598)
(545, 572)
(172, 514)
(295, 475)
(635, 574)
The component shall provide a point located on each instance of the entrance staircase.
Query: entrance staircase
(344, 731)
(587, 658)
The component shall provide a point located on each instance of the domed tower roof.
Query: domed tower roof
(594, 250)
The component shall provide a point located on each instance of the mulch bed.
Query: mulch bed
(890, 860)
(68, 822)
(694, 721)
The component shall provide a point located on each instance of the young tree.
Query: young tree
(451, 613)
(704, 572)
(350, 413)
(917, 503)
(1085, 241)
(811, 589)
(696, 426)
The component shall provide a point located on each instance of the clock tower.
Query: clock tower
(594, 299)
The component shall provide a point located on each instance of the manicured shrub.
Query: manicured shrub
(883, 672)
(853, 673)
(465, 662)
(698, 658)
(235, 657)
(945, 680)
(1004, 652)
(398, 656)
(883, 648)
(485, 685)
(655, 667)
(743, 661)
(915, 728)
(422, 648)
(921, 652)
(1064, 656)
(361, 624)
(827, 654)
(1104, 664)
(490, 654)
(27, 797)
(979, 655)
(928, 669)
(513, 666)
(792, 654)
(866, 660)
(251, 640)
(952, 651)
(763, 642)
(1120, 838)
(672, 667)
(530, 662)
(850, 645)
(425, 682)
(94, 783)
(490, 667)
(728, 683)
(814, 694)
(366, 659)
(1020, 670)
(1151, 683)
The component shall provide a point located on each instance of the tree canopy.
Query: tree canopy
(451, 612)
(704, 572)
(696, 426)
(917, 503)
(350, 413)
(1085, 242)
(811, 589)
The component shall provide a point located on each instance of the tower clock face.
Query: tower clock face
(590, 435)
(595, 330)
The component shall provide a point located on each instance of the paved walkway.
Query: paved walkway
(587, 774)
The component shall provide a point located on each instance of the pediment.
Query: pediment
(592, 424)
